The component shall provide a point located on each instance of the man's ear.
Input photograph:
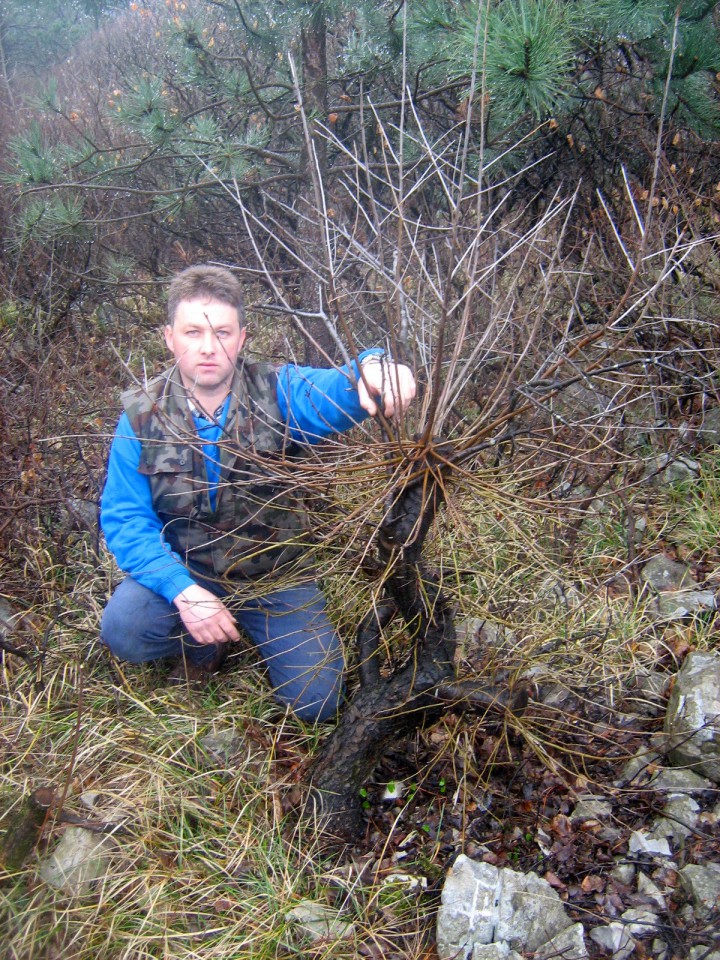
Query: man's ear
(243, 334)
(168, 334)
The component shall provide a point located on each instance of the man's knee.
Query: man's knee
(317, 712)
(319, 697)
(120, 636)
(137, 625)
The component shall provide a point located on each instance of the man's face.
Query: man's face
(205, 339)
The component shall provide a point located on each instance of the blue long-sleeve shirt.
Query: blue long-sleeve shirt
(314, 403)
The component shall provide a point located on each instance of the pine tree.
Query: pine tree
(177, 110)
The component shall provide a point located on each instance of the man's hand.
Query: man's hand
(392, 383)
(205, 616)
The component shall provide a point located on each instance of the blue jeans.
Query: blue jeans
(290, 629)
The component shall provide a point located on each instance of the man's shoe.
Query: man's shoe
(186, 673)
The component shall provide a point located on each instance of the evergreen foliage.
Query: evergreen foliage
(529, 57)
(42, 32)
(180, 106)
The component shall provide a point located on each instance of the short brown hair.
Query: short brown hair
(204, 282)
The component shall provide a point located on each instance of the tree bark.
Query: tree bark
(4, 65)
(384, 710)
(312, 176)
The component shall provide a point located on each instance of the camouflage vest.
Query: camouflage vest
(256, 526)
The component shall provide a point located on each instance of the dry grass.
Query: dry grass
(205, 855)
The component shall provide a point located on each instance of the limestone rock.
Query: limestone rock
(615, 939)
(623, 872)
(662, 573)
(79, 859)
(676, 605)
(649, 889)
(467, 914)
(482, 904)
(678, 594)
(679, 819)
(643, 842)
(647, 694)
(7, 618)
(640, 922)
(530, 911)
(494, 951)
(692, 721)
(703, 952)
(701, 883)
(677, 782)
(591, 809)
(659, 949)
(220, 747)
(320, 922)
(708, 433)
(560, 593)
(667, 469)
(638, 768)
(569, 945)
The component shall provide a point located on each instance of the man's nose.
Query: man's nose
(208, 341)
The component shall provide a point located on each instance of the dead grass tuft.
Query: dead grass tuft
(195, 791)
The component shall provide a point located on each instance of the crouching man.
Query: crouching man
(195, 516)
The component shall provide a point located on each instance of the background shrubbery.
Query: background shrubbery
(522, 201)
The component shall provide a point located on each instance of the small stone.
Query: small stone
(591, 809)
(7, 618)
(569, 944)
(649, 889)
(677, 781)
(659, 949)
(222, 745)
(638, 530)
(641, 842)
(708, 432)
(692, 726)
(555, 696)
(661, 573)
(611, 835)
(667, 470)
(679, 604)
(647, 697)
(493, 951)
(530, 912)
(638, 768)
(615, 939)
(319, 921)
(680, 817)
(641, 922)
(561, 594)
(702, 885)
(686, 913)
(703, 952)
(478, 634)
(408, 881)
(79, 859)
(466, 637)
(624, 873)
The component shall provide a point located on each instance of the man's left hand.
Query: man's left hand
(392, 384)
